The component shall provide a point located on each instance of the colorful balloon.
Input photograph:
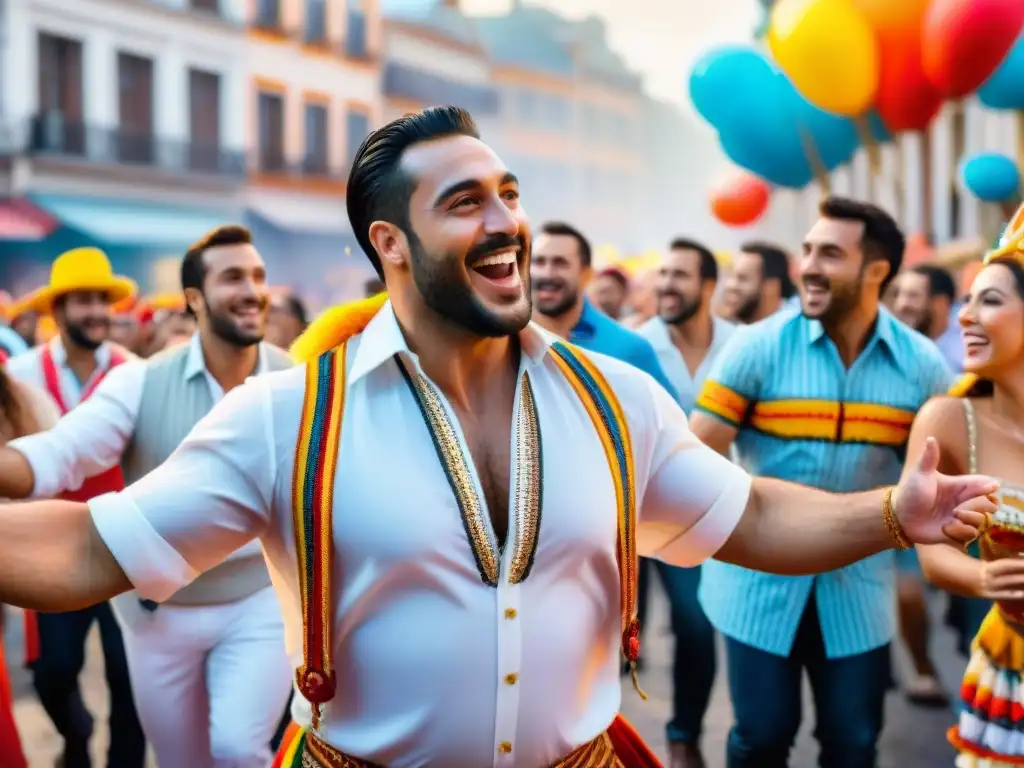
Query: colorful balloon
(829, 51)
(740, 200)
(965, 40)
(715, 76)
(1005, 88)
(990, 177)
(906, 100)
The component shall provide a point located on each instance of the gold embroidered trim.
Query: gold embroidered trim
(528, 485)
(456, 467)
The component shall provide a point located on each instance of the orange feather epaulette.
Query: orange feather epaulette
(336, 326)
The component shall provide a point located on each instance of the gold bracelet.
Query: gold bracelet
(892, 525)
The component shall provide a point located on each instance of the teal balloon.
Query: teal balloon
(1004, 88)
(720, 82)
(990, 177)
(763, 121)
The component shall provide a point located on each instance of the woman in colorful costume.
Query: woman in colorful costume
(989, 404)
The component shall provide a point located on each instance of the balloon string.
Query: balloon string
(867, 138)
(814, 160)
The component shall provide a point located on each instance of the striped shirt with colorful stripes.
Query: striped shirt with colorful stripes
(802, 416)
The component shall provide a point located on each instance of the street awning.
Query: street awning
(305, 214)
(119, 222)
(21, 220)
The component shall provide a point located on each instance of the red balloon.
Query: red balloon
(965, 40)
(740, 200)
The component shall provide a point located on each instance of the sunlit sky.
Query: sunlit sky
(659, 38)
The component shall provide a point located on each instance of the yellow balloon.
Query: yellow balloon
(829, 51)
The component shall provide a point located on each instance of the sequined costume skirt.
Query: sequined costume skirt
(990, 733)
(618, 747)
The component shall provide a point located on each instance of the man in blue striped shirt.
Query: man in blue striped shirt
(825, 398)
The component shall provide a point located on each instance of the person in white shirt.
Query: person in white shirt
(475, 615)
(208, 667)
(687, 338)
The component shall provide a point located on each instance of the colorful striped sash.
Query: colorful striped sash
(316, 460)
(312, 498)
(609, 421)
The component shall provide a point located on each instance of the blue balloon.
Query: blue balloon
(1004, 88)
(762, 120)
(778, 165)
(990, 177)
(721, 79)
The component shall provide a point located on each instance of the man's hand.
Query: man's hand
(933, 508)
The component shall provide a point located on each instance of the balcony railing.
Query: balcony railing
(312, 166)
(357, 44)
(50, 135)
(416, 85)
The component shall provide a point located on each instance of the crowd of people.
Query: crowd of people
(354, 522)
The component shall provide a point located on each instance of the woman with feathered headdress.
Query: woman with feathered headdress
(981, 424)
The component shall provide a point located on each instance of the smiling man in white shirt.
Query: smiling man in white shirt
(215, 648)
(475, 615)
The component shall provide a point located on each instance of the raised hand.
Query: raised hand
(934, 508)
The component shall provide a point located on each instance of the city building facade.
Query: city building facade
(122, 128)
(314, 93)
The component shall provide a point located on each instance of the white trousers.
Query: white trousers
(210, 682)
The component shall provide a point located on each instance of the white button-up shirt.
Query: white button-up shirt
(93, 436)
(434, 666)
(28, 367)
(674, 365)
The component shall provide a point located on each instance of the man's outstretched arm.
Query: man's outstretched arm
(698, 505)
(52, 558)
(211, 497)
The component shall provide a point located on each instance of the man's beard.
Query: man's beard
(687, 309)
(447, 294)
(842, 301)
(924, 325)
(78, 336)
(566, 303)
(748, 309)
(223, 327)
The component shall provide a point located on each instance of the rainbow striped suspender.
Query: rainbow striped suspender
(609, 421)
(313, 496)
(316, 459)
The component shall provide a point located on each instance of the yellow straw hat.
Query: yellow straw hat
(80, 269)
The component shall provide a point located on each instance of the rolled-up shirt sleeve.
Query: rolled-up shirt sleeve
(90, 439)
(213, 495)
(693, 497)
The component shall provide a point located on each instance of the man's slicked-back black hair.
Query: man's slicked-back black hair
(378, 189)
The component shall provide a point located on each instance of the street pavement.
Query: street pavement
(913, 737)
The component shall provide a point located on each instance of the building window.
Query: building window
(356, 43)
(271, 132)
(357, 127)
(316, 21)
(316, 139)
(135, 141)
(268, 14)
(204, 120)
(58, 127)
